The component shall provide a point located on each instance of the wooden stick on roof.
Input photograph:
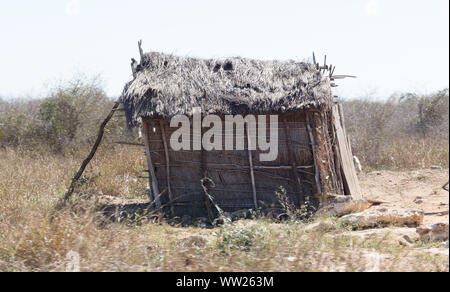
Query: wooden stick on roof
(141, 52)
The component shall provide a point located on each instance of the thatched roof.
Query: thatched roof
(167, 85)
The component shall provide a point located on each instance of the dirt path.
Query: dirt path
(418, 189)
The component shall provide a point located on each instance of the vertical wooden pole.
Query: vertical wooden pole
(329, 151)
(204, 174)
(313, 148)
(252, 174)
(152, 178)
(166, 151)
(293, 158)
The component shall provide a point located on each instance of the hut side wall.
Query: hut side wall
(229, 172)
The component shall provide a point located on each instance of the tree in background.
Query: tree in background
(432, 112)
(64, 121)
(68, 113)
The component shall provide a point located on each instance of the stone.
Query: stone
(380, 215)
(321, 226)
(338, 205)
(444, 244)
(283, 217)
(174, 221)
(408, 239)
(203, 220)
(240, 214)
(376, 202)
(418, 200)
(435, 232)
(291, 259)
(436, 167)
(186, 220)
(222, 219)
(405, 240)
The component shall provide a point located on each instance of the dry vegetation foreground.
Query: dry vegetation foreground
(33, 238)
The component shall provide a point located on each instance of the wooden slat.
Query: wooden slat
(152, 180)
(348, 168)
(313, 149)
(337, 161)
(292, 157)
(329, 151)
(204, 175)
(166, 152)
(323, 160)
(252, 173)
(128, 143)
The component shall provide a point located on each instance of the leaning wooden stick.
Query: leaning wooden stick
(91, 154)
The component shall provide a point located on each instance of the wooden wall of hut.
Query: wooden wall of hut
(306, 166)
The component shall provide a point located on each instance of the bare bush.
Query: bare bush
(405, 131)
(63, 122)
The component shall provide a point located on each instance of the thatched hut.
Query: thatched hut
(314, 155)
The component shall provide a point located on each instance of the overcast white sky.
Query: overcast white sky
(392, 46)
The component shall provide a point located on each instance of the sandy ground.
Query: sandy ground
(418, 189)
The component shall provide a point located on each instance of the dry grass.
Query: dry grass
(404, 132)
(33, 238)
(409, 153)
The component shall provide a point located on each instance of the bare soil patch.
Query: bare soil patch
(416, 189)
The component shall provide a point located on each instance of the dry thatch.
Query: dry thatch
(167, 85)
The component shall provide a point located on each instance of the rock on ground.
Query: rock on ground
(405, 240)
(380, 215)
(418, 200)
(435, 232)
(321, 226)
(337, 206)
